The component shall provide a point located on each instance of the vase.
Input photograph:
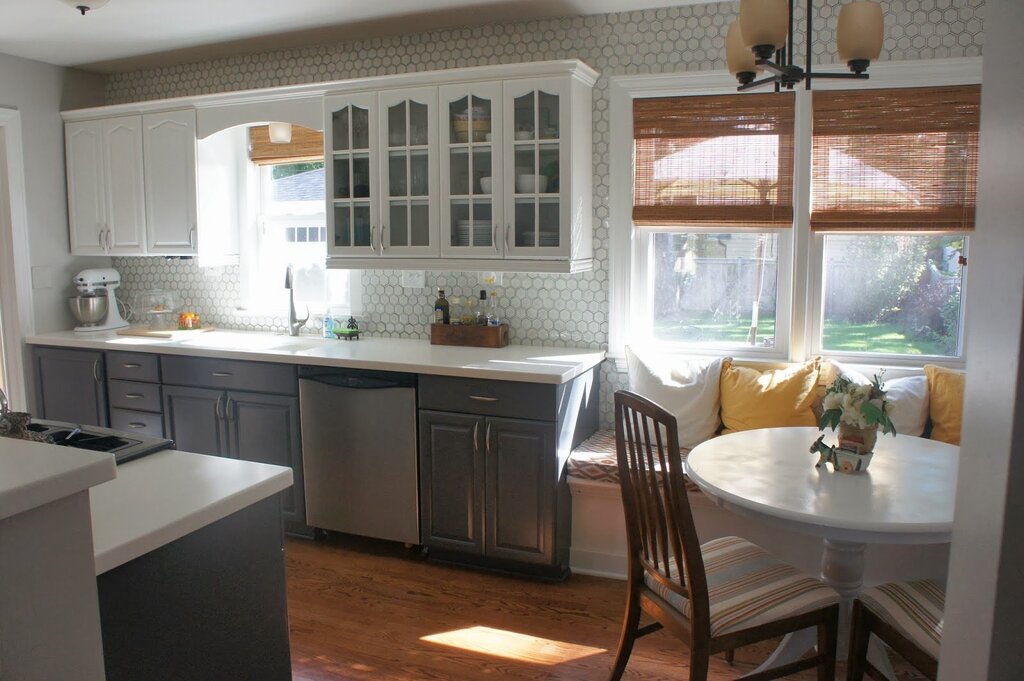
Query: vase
(852, 437)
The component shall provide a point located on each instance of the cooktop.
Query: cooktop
(124, 446)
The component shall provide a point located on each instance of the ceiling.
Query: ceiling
(133, 34)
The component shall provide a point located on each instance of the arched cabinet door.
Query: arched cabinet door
(353, 177)
(169, 157)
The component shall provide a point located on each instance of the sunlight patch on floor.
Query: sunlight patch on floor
(513, 646)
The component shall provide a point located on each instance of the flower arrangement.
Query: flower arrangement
(857, 406)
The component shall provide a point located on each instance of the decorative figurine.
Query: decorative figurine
(350, 332)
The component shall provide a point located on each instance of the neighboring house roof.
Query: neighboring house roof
(307, 186)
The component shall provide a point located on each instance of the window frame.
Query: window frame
(627, 266)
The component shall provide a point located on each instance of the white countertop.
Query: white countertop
(165, 496)
(33, 474)
(524, 363)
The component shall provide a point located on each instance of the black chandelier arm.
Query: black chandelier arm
(829, 74)
(758, 83)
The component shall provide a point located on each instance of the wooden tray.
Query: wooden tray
(469, 336)
(176, 334)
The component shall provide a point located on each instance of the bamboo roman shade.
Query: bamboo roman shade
(306, 145)
(895, 159)
(721, 160)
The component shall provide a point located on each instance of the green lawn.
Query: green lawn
(872, 337)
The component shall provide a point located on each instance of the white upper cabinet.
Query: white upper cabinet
(352, 175)
(169, 142)
(123, 174)
(83, 143)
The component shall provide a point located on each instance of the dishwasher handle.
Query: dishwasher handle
(357, 379)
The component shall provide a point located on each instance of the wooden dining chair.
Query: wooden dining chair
(717, 597)
(907, 617)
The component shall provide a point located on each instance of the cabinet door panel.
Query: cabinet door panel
(69, 386)
(265, 429)
(521, 479)
(169, 141)
(192, 418)
(126, 202)
(451, 481)
(353, 220)
(83, 143)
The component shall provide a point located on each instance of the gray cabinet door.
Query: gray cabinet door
(192, 418)
(265, 429)
(452, 481)
(521, 488)
(70, 386)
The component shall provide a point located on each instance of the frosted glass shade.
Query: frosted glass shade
(737, 55)
(860, 31)
(764, 22)
(280, 133)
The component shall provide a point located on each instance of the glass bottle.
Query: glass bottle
(493, 316)
(481, 309)
(442, 313)
(455, 309)
(469, 311)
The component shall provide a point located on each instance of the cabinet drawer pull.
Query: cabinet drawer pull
(222, 374)
(134, 396)
(480, 398)
(131, 365)
(136, 424)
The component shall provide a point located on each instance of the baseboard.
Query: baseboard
(596, 564)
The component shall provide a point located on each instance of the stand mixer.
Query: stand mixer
(97, 285)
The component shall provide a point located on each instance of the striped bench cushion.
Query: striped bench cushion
(748, 587)
(913, 608)
(594, 459)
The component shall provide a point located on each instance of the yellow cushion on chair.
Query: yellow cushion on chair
(946, 396)
(771, 399)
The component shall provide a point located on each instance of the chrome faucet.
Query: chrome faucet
(294, 323)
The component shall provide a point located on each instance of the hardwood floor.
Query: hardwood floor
(371, 610)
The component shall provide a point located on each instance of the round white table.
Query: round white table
(905, 497)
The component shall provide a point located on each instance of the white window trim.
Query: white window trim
(625, 243)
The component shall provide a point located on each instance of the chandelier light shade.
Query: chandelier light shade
(859, 34)
(764, 31)
(280, 133)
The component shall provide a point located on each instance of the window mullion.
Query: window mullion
(804, 308)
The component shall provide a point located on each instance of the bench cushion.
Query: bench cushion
(594, 459)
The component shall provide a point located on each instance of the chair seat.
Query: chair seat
(748, 587)
(913, 608)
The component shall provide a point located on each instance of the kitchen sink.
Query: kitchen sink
(228, 340)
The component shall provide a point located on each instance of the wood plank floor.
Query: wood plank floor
(364, 610)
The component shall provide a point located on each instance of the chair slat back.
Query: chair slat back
(662, 539)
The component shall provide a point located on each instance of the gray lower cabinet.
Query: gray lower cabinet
(70, 386)
(452, 482)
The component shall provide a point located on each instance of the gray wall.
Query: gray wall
(39, 92)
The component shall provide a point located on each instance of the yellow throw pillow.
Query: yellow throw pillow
(946, 396)
(771, 399)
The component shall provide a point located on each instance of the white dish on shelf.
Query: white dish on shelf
(524, 134)
(485, 185)
(531, 184)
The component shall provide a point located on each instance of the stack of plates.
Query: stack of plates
(548, 239)
(480, 230)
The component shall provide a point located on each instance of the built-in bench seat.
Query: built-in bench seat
(594, 460)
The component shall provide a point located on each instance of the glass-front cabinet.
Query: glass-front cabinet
(352, 176)
(471, 171)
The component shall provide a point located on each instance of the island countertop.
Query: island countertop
(523, 363)
(33, 474)
(165, 496)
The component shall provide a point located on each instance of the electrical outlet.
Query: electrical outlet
(414, 279)
(490, 278)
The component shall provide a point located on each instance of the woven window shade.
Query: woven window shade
(306, 145)
(722, 160)
(895, 159)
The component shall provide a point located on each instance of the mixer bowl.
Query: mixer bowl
(88, 310)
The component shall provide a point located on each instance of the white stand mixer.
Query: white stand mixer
(96, 282)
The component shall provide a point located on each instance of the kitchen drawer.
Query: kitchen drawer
(535, 401)
(134, 395)
(230, 374)
(130, 421)
(133, 366)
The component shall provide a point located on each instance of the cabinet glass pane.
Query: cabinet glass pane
(342, 185)
(459, 171)
(339, 127)
(398, 225)
(483, 224)
(548, 167)
(481, 168)
(360, 128)
(360, 176)
(361, 224)
(418, 124)
(548, 236)
(547, 112)
(460, 226)
(526, 224)
(458, 121)
(481, 119)
(397, 185)
(420, 216)
(524, 116)
(396, 125)
(342, 226)
(419, 172)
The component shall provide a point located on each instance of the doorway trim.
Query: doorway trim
(16, 322)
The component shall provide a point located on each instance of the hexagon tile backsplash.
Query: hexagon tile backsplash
(548, 309)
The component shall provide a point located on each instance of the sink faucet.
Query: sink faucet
(294, 323)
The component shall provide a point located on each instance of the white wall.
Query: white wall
(39, 91)
(981, 636)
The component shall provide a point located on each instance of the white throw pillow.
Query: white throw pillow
(686, 388)
(909, 398)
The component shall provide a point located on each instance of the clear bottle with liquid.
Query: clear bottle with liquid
(468, 311)
(493, 314)
(481, 309)
(442, 309)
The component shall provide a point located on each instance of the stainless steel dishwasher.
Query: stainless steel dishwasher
(359, 452)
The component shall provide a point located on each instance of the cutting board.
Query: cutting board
(174, 334)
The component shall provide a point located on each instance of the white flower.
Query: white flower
(832, 401)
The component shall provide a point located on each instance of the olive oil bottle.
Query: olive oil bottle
(442, 311)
